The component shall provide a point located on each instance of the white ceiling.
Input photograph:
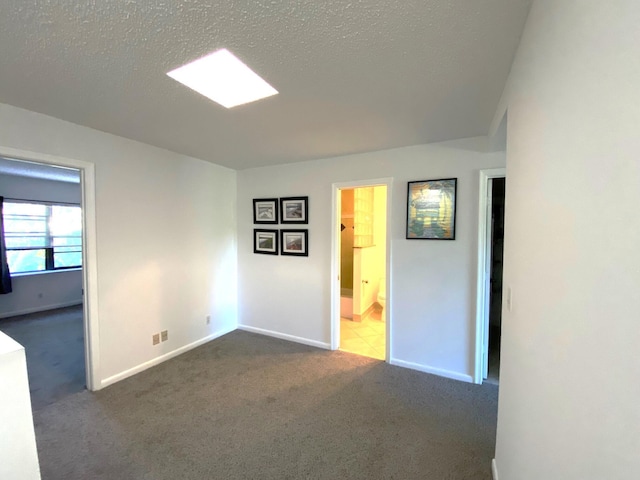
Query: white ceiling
(353, 76)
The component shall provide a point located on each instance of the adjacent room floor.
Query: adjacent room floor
(366, 337)
(54, 346)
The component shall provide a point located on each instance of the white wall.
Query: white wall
(569, 404)
(18, 455)
(42, 291)
(25, 188)
(166, 239)
(433, 282)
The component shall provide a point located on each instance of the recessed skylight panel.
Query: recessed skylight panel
(223, 78)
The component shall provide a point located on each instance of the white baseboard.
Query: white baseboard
(284, 336)
(162, 358)
(41, 308)
(435, 371)
(494, 469)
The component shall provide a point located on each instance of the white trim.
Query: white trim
(41, 308)
(162, 358)
(432, 370)
(335, 292)
(285, 336)
(89, 252)
(335, 258)
(494, 469)
(482, 295)
(90, 283)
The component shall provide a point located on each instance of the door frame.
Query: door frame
(336, 213)
(89, 255)
(484, 271)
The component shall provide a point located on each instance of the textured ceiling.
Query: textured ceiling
(353, 76)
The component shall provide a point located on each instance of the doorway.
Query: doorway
(43, 233)
(89, 309)
(490, 267)
(360, 320)
(492, 374)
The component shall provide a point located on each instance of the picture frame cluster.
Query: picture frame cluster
(287, 211)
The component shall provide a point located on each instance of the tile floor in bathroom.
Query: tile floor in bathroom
(364, 338)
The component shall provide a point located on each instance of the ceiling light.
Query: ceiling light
(224, 79)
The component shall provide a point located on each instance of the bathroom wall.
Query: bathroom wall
(372, 260)
(346, 243)
(380, 236)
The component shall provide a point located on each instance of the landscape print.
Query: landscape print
(294, 242)
(265, 241)
(265, 210)
(294, 209)
(431, 209)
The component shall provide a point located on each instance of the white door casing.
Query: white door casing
(484, 272)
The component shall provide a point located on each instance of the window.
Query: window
(42, 236)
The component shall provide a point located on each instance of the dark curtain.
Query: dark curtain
(5, 275)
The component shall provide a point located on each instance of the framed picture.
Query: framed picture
(294, 210)
(265, 210)
(294, 242)
(431, 209)
(265, 241)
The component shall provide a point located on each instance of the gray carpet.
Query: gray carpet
(54, 346)
(246, 406)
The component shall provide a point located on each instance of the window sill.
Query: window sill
(45, 272)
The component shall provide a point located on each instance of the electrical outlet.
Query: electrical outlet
(156, 338)
(164, 335)
(208, 319)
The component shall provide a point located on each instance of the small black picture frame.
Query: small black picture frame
(431, 209)
(265, 210)
(294, 242)
(265, 241)
(294, 210)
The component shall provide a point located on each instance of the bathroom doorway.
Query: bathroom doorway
(360, 321)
